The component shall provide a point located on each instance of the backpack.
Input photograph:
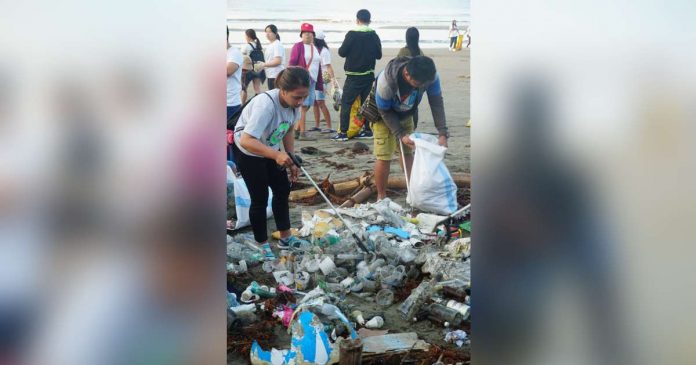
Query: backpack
(232, 121)
(256, 55)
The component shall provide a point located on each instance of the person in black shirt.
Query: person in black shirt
(361, 48)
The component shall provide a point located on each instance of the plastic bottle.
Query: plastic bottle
(443, 315)
(455, 292)
(415, 301)
(261, 291)
(462, 308)
(232, 300)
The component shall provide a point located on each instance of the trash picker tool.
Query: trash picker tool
(298, 162)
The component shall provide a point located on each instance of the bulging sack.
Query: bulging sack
(431, 187)
(242, 201)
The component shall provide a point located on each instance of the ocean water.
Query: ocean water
(390, 18)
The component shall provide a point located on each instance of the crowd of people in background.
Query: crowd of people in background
(260, 125)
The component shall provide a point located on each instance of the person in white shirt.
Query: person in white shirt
(234, 78)
(453, 34)
(274, 55)
(329, 77)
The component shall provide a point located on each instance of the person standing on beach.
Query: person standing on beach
(274, 56)
(306, 55)
(399, 90)
(361, 48)
(254, 51)
(266, 122)
(453, 34)
(234, 78)
(412, 50)
(328, 76)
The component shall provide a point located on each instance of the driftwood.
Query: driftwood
(362, 187)
(399, 181)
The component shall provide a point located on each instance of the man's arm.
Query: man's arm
(345, 46)
(437, 106)
(379, 47)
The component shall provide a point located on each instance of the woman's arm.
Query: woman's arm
(275, 62)
(255, 146)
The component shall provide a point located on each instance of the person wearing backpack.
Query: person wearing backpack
(266, 122)
(254, 50)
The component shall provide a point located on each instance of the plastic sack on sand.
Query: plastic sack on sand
(431, 187)
(356, 123)
(242, 201)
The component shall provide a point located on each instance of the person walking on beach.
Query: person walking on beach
(234, 78)
(399, 90)
(361, 48)
(305, 54)
(453, 34)
(274, 56)
(254, 50)
(412, 50)
(266, 122)
(468, 36)
(328, 77)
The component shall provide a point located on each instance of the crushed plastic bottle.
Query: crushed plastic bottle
(415, 301)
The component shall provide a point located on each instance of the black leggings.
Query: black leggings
(271, 83)
(259, 174)
(453, 41)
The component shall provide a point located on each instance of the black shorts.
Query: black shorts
(251, 75)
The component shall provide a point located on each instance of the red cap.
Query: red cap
(306, 27)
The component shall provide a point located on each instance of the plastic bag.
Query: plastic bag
(356, 121)
(431, 187)
(242, 201)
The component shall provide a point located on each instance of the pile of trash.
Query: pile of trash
(312, 282)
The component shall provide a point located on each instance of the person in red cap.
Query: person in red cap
(305, 54)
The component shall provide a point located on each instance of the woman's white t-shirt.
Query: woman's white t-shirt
(265, 119)
(311, 54)
(453, 31)
(234, 81)
(273, 50)
(325, 57)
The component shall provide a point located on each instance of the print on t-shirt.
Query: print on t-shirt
(277, 135)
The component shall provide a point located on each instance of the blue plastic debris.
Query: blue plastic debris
(397, 231)
(373, 228)
(309, 345)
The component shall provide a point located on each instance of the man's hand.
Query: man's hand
(294, 173)
(407, 141)
(442, 141)
(283, 159)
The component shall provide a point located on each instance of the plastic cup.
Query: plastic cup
(327, 266)
(385, 297)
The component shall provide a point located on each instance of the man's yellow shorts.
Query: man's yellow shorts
(386, 143)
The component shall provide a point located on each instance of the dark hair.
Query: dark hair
(363, 15)
(252, 35)
(291, 78)
(320, 44)
(421, 69)
(228, 34)
(274, 29)
(412, 36)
